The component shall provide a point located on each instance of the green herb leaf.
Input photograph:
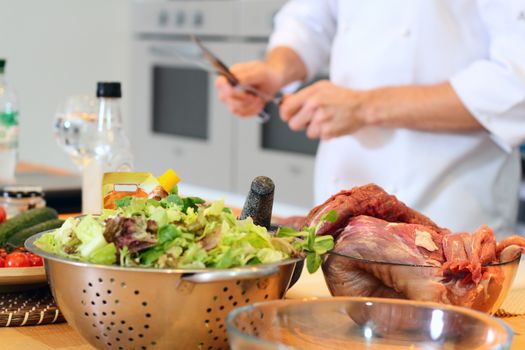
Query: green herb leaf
(168, 233)
(153, 203)
(323, 244)
(173, 199)
(313, 261)
(310, 239)
(123, 202)
(331, 216)
(150, 256)
(191, 202)
(288, 232)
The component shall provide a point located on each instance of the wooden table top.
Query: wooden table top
(62, 336)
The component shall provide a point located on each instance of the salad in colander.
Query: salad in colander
(180, 232)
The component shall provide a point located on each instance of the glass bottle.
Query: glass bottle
(109, 149)
(8, 128)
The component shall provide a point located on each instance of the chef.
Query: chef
(425, 98)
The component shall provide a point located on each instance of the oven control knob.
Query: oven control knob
(163, 18)
(180, 18)
(198, 19)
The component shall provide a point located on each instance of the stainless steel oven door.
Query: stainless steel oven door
(272, 149)
(177, 119)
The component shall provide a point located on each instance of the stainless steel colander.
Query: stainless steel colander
(115, 307)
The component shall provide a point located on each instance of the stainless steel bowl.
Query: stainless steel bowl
(363, 323)
(115, 307)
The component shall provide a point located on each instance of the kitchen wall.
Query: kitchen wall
(56, 48)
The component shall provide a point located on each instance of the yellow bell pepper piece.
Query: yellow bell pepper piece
(168, 180)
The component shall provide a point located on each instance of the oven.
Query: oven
(177, 118)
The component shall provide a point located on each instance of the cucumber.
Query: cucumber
(18, 239)
(25, 220)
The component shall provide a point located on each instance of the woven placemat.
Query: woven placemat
(514, 304)
(28, 308)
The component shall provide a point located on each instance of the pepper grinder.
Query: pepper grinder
(259, 203)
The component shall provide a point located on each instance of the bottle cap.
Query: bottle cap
(2, 64)
(168, 180)
(108, 89)
(22, 191)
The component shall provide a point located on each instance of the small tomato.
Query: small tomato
(3, 215)
(17, 259)
(35, 260)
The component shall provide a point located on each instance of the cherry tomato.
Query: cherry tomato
(3, 253)
(17, 259)
(35, 260)
(3, 215)
(2, 262)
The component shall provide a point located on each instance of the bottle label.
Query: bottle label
(8, 119)
(8, 130)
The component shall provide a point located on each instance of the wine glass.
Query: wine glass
(74, 127)
(75, 130)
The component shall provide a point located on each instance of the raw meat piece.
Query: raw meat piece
(370, 200)
(510, 248)
(465, 254)
(372, 225)
(375, 239)
(451, 267)
(378, 240)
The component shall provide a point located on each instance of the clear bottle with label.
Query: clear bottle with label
(108, 149)
(8, 128)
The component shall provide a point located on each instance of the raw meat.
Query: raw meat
(453, 268)
(510, 248)
(370, 200)
(374, 239)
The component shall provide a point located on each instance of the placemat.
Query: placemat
(514, 304)
(28, 308)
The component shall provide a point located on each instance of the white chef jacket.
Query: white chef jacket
(460, 180)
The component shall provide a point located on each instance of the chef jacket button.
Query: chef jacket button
(406, 33)
(521, 16)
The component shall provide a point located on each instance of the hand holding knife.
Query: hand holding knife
(223, 70)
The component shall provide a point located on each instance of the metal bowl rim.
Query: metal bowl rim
(230, 327)
(30, 246)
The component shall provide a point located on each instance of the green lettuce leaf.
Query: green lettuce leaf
(106, 255)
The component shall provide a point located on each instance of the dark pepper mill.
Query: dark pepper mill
(259, 203)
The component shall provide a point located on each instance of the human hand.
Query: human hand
(257, 74)
(325, 110)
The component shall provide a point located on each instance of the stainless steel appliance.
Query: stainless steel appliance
(178, 120)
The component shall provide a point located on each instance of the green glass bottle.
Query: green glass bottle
(8, 128)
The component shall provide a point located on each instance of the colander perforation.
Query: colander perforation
(109, 330)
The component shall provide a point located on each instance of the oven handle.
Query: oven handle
(188, 53)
